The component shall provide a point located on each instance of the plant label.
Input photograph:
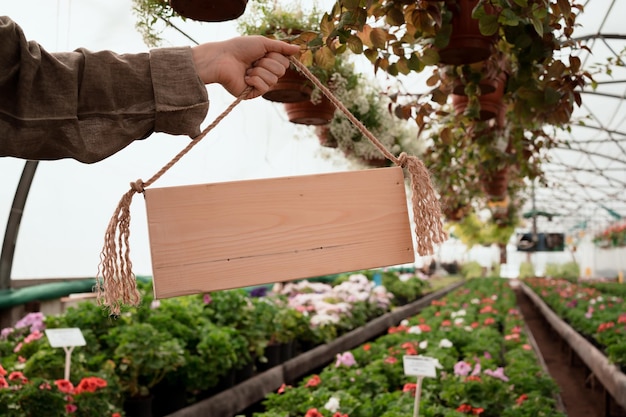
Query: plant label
(65, 337)
(418, 365)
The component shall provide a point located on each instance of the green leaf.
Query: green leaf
(488, 24)
(371, 54)
(355, 44)
(393, 69)
(509, 18)
(430, 57)
(415, 64)
(403, 66)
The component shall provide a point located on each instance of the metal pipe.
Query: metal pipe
(13, 223)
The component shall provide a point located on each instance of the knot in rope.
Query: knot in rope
(137, 186)
(403, 159)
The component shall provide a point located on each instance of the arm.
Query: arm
(89, 105)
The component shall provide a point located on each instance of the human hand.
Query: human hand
(244, 61)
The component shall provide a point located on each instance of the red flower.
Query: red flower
(64, 386)
(90, 384)
(409, 348)
(3, 371)
(391, 359)
(464, 408)
(521, 399)
(424, 327)
(412, 388)
(14, 376)
(446, 323)
(477, 411)
(314, 381)
(367, 347)
(621, 320)
(475, 378)
(338, 414)
(70, 408)
(488, 321)
(283, 388)
(116, 415)
(313, 413)
(605, 326)
(3, 382)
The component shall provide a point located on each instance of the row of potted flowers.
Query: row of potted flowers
(594, 310)
(190, 347)
(476, 334)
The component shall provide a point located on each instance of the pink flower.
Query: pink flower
(3, 371)
(477, 369)
(70, 408)
(412, 388)
(462, 368)
(33, 336)
(3, 382)
(45, 385)
(345, 359)
(18, 347)
(526, 346)
(15, 376)
(207, 299)
(498, 373)
(391, 360)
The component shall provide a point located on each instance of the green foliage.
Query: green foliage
(471, 270)
(526, 270)
(143, 356)
(404, 290)
(568, 270)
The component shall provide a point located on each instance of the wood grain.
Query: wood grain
(234, 234)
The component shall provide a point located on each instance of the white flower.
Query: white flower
(468, 329)
(415, 330)
(445, 343)
(475, 301)
(423, 344)
(459, 320)
(404, 322)
(332, 404)
(592, 301)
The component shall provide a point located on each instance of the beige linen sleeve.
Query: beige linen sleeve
(89, 105)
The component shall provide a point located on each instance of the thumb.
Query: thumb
(281, 47)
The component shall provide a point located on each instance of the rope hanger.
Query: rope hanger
(118, 285)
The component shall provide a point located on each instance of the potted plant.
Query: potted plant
(143, 357)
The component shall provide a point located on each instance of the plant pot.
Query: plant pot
(307, 113)
(138, 406)
(286, 351)
(467, 45)
(495, 184)
(290, 88)
(209, 10)
(326, 139)
(272, 354)
(491, 105)
(374, 162)
(168, 398)
(245, 372)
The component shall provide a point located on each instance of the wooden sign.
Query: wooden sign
(236, 234)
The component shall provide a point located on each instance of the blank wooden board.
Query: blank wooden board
(236, 234)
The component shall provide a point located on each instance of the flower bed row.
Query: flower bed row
(194, 344)
(595, 311)
(477, 335)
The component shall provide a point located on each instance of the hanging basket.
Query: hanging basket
(467, 45)
(495, 184)
(491, 105)
(209, 10)
(308, 113)
(291, 88)
(326, 139)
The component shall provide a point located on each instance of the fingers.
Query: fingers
(266, 72)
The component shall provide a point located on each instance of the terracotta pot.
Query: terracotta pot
(467, 45)
(307, 113)
(290, 88)
(491, 104)
(209, 10)
(326, 139)
(495, 184)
